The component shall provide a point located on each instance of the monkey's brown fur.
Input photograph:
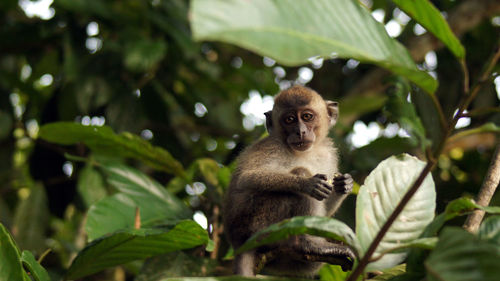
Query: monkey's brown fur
(285, 175)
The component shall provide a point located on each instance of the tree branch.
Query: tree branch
(486, 192)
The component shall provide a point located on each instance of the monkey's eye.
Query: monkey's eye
(307, 117)
(289, 119)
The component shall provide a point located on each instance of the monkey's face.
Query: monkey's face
(299, 128)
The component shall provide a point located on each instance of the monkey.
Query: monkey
(288, 173)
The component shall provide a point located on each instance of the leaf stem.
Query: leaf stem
(431, 163)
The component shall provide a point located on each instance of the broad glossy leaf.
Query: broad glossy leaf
(155, 203)
(460, 256)
(130, 245)
(10, 263)
(35, 269)
(318, 226)
(378, 197)
(291, 32)
(103, 140)
(429, 17)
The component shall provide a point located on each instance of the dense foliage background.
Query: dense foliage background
(133, 66)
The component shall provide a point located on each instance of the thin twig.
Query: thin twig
(485, 194)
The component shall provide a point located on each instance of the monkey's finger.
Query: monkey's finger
(344, 181)
(321, 176)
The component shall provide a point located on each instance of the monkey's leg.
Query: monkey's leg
(244, 264)
(316, 249)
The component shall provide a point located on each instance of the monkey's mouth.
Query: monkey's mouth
(301, 145)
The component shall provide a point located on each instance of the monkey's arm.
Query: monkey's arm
(264, 181)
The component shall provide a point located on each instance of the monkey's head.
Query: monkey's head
(301, 117)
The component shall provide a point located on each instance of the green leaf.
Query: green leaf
(455, 208)
(292, 32)
(459, 256)
(155, 203)
(36, 270)
(398, 109)
(104, 141)
(486, 128)
(10, 265)
(490, 230)
(209, 169)
(126, 246)
(390, 273)
(142, 55)
(429, 17)
(31, 220)
(91, 185)
(378, 197)
(318, 226)
(330, 272)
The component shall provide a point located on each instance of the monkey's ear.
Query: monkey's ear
(333, 111)
(269, 121)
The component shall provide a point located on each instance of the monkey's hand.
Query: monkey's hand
(342, 183)
(318, 187)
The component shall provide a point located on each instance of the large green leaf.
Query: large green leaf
(292, 32)
(378, 197)
(136, 190)
(429, 17)
(10, 263)
(36, 270)
(129, 245)
(175, 265)
(319, 226)
(460, 256)
(103, 140)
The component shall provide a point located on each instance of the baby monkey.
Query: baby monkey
(289, 173)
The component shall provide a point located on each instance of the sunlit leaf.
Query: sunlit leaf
(291, 32)
(390, 273)
(378, 197)
(460, 256)
(429, 17)
(136, 190)
(130, 245)
(104, 141)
